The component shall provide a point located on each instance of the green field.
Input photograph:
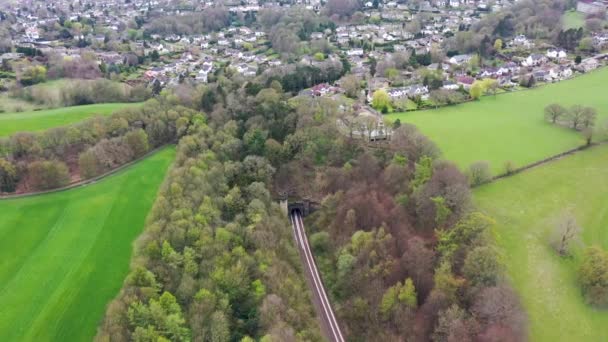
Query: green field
(64, 256)
(526, 207)
(510, 126)
(573, 19)
(44, 119)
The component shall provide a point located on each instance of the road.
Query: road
(325, 312)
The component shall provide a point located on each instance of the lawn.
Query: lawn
(44, 119)
(64, 256)
(573, 19)
(509, 127)
(526, 207)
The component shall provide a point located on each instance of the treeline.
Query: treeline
(216, 261)
(210, 19)
(52, 158)
(301, 76)
(81, 92)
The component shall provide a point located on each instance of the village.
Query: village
(387, 31)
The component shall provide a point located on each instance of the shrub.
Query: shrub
(479, 173)
(509, 167)
(89, 165)
(8, 176)
(48, 174)
(593, 277)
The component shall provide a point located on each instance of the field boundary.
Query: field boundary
(86, 182)
(541, 162)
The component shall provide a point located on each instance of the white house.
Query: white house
(556, 54)
(460, 59)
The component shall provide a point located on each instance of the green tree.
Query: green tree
(400, 294)
(381, 101)
(137, 141)
(477, 89)
(482, 267)
(593, 277)
(498, 45)
(442, 211)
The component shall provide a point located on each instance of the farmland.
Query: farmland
(526, 207)
(64, 255)
(44, 119)
(509, 127)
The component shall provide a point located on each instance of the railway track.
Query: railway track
(323, 306)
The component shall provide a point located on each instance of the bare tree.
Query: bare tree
(575, 115)
(554, 112)
(566, 235)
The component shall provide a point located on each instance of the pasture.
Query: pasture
(43, 119)
(526, 208)
(509, 127)
(573, 19)
(64, 256)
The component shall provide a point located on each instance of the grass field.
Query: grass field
(526, 207)
(573, 19)
(64, 256)
(509, 127)
(44, 119)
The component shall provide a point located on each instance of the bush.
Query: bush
(48, 174)
(8, 176)
(509, 167)
(479, 173)
(89, 165)
(593, 277)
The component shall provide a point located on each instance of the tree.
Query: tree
(453, 324)
(482, 267)
(594, 25)
(554, 112)
(586, 44)
(479, 173)
(442, 211)
(8, 176)
(33, 75)
(351, 85)
(575, 115)
(588, 117)
(137, 141)
(566, 235)
(89, 164)
(593, 277)
(498, 45)
(477, 89)
(498, 308)
(399, 294)
(48, 174)
(381, 101)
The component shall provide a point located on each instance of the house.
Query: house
(589, 64)
(449, 85)
(590, 6)
(465, 81)
(521, 41)
(460, 59)
(556, 54)
(534, 60)
(355, 52)
(323, 89)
